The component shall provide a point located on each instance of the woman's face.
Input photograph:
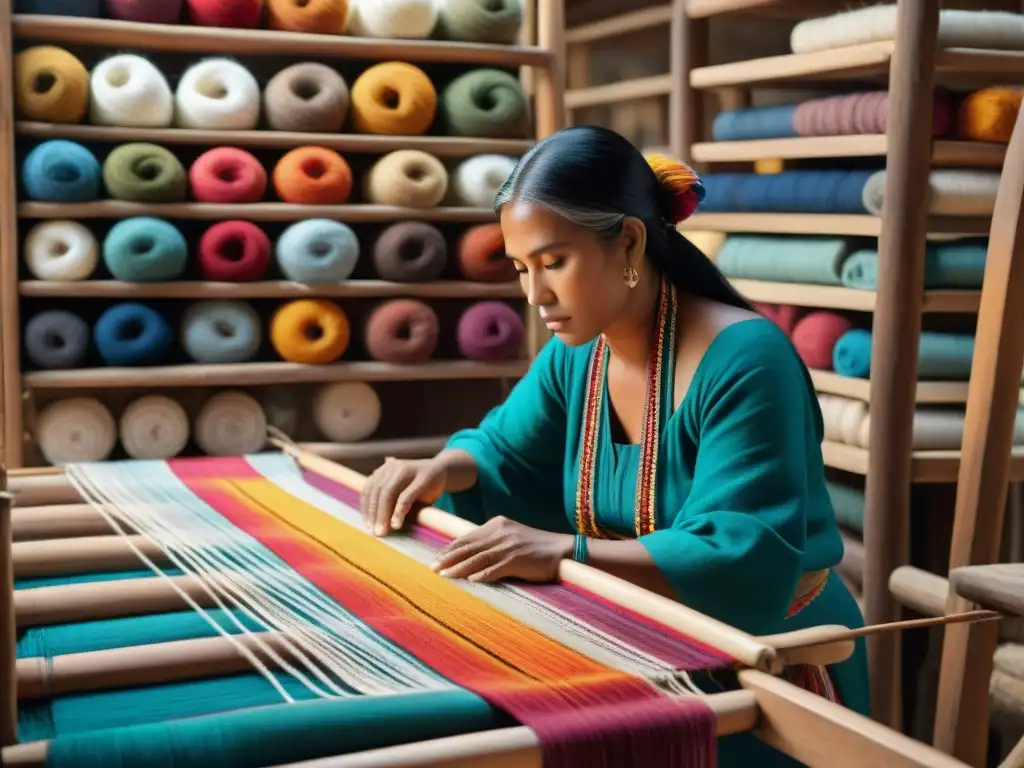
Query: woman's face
(572, 277)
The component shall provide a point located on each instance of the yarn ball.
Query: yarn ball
(61, 250)
(402, 331)
(145, 11)
(132, 334)
(51, 85)
(130, 92)
(233, 252)
(306, 97)
(990, 114)
(393, 98)
(390, 19)
(490, 331)
(486, 103)
(317, 251)
(815, 335)
(238, 14)
(683, 186)
(230, 423)
(61, 171)
(481, 255)
(227, 175)
(144, 173)
(76, 429)
(410, 252)
(477, 179)
(144, 249)
(153, 427)
(322, 17)
(480, 21)
(217, 94)
(407, 178)
(313, 176)
(79, 8)
(221, 332)
(346, 411)
(310, 331)
(56, 339)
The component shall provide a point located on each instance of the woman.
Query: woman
(667, 434)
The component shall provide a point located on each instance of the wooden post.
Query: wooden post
(896, 336)
(8, 636)
(688, 49)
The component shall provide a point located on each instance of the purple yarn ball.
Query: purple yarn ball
(145, 11)
(489, 331)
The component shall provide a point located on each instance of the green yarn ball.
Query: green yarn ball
(144, 249)
(145, 173)
(486, 103)
(480, 21)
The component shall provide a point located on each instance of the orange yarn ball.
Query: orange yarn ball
(310, 331)
(990, 114)
(313, 176)
(482, 256)
(51, 85)
(393, 98)
(323, 17)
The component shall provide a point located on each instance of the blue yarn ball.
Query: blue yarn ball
(143, 249)
(221, 332)
(61, 171)
(132, 334)
(88, 8)
(317, 251)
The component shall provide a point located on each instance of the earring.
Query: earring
(631, 277)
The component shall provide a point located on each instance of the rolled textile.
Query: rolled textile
(989, 114)
(233, 252)
(346, 411)
(479, 21)
(227, 175)
(775, 122)
(489, 331)
(946, 265)
(218, 94)
(61, 171)
(130, 333)
(481, 254)
(238, 14)
(76, 429)
(394, 98)
(410, 252)
(61, 250)
(402, 331)
(145, 173)
(951, 192)
(310, 331)
(321, 17)
(407, 178)
(145, 11)
(817, 260)
(815, 335)
(221, 332)
(390, 19)
(56, 339)
(306, 97)
(153, 427)
(842, 418)
(317, 251)
(313, 176)
(860, 114)
(51, 85)
(144, 249)
(786, 192)
(476, 180)
(128, 91)
(486, 103)
(230, 423)
(847, 503)
(940, 356)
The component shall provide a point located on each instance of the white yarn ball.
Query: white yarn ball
(230, 424)
(411, 19)
(129, 91)
(477, 179)
(77, 429)
(154, 427)
(218, 94)
(61, 250)
(347, 411)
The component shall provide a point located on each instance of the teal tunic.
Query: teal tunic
(741, 503)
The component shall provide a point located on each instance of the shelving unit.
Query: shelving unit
(420, 402)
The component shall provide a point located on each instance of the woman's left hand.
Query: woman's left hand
(504, 549)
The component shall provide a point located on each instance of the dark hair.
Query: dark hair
(595, 178)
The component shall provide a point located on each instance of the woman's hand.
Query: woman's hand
(504, 549)
(389, 493)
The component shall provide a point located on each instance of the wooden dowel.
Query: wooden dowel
(85, 554)
(35, 490)
(58, 521)
(8, 633)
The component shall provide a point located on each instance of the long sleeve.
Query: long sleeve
(519, 449)
(735, 549)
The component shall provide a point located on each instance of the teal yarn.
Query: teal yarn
(816, 260)
(144, 249)
(130, 333)
(317, 251)
(946, 265)
(221, 332)
(486, 103)
(940, 356)
(61, 171)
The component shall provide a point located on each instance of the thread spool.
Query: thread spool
(221, 332)
(61, 250)
(144, 249)
(480, 21)
(481, 254)
(230, 424)
(490, 331)
(310, 331)
(144, 173)
(407, 178)
(227, 175)
(132, 334)
(225, 14)
(346, 411)
(393, 98)
(313, 176)
(217, 94)
(306, 97)
(61, 171)
(410, 252)
(75, 429)
(153, 427)
(51, 85)
(145, 11)
(402, 331)
(233, 252)
(56, 339)
(390, 19)
(486, 103)
(321, 17)
(127, 90)
(317, 251)
(476, 180)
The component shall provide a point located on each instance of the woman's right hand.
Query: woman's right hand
(392, 489)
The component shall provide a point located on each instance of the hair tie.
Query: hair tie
(685, 185)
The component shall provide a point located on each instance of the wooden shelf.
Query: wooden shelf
(621, 24)
(183, 38)
(833, 297)
(926, 466)
(354, 213)
(854, 225)
(256, 374)
(268, 289)
(931, 392)
(947, 153)
(402, 447)
(614, 93)
(781, 9)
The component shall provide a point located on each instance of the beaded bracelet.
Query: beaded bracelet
(579, 548)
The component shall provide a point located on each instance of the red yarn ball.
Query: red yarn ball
(243, 14)
(145, 11)
(233, 252)
(227, 175)
(815, 336)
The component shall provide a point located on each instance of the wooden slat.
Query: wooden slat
(832, 297)
(613, 93)
(119, 209)
(931, 392)
(823, 224)
(948, 153)
(621, 24)
(926, 466)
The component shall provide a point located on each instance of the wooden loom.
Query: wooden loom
(48, 511)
